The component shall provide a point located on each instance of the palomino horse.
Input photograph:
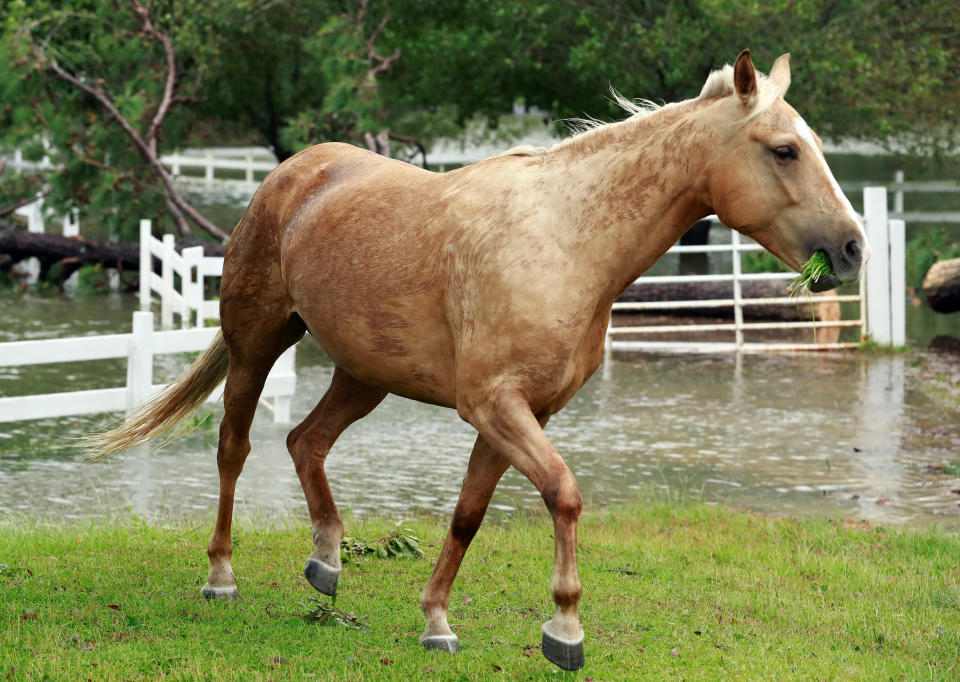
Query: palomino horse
(488, 289)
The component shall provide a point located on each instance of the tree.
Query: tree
(105, 84)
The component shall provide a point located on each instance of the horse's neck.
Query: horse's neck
(633, 189)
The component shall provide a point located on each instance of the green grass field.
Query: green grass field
(694, 592)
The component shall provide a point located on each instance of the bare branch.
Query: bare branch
(149, 154)
(26, 201)
(170, 83)
(421, 148)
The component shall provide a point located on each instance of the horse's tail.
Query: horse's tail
(165, 410)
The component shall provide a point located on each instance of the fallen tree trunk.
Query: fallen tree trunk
(72, 253)
(941, 286)
(704, 291)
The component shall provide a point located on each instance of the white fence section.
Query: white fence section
(191, 267)
(210, 164)
(885, 276)
(881, 297)
(139, 347)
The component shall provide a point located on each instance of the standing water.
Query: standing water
(852, 435)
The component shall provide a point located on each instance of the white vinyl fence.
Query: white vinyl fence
(191, 266)
(139, 347)
(880, 299)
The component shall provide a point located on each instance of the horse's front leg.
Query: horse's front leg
(504, 419)
(483, 473)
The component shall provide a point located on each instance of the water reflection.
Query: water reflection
(843, 435)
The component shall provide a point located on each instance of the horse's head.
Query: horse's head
(769, 180)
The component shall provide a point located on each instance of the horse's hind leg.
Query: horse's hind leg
(252, 354)
(483, 473)
(345, 401)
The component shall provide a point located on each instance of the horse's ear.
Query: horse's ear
(780, 73)
(745, 78)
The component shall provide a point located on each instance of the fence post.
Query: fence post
(146, 263)
(878, 267)
(898, 283)
(18, 160)
(249, 169)
(166, 276)
(140, 360)
(193, 284)
(208, 174)
(898, 194)
(285, 365)
(35, 217)
(737, 290)
(71, 223)
(175, 164)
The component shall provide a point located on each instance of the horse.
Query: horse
(488, 289)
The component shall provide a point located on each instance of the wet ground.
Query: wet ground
(852, 435)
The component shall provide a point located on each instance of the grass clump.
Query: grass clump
(692, 592)
(817, 267)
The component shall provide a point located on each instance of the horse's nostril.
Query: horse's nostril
(852, 250)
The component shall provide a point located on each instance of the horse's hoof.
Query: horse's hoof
(211, 592)
(448, 643)
(566, 655)
(322, 576)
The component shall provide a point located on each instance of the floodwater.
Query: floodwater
(841, 435)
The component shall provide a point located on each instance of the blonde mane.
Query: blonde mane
(718, 84)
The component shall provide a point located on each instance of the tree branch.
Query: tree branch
(147, 149)
(26, 201)
(170, 82)
(414, 141)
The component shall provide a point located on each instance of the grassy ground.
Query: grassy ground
(694, 592)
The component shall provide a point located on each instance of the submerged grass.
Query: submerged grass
(693, 592)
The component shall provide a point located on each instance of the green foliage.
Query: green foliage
(102, 170)
(92, 279)
(762, 261)
(400, 543)
(925, 249)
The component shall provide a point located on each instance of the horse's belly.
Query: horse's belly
(390, 346)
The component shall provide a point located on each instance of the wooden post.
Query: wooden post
(878, 267)
(898, 282)
(285, 365)
(898, 194)
(193, 284)
(166, 277)
(146, 263)
(737, 290)
(71, 223)
(140, 360)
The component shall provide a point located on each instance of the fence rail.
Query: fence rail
(881, 298)
(139, 348)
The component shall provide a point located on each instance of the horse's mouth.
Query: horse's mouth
(825, 283)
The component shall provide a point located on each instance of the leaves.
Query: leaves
(328, 615)
(400, 543)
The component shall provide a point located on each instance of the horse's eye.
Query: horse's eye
(785, 153)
